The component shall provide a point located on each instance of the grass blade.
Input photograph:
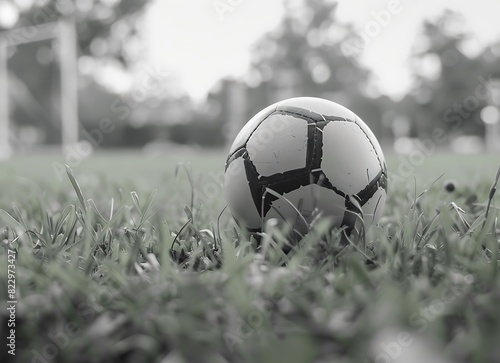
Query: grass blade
(76, 187)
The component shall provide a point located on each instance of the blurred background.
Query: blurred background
(164, 76)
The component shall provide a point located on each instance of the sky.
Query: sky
(200, 41)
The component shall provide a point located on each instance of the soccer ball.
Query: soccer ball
(301, 159)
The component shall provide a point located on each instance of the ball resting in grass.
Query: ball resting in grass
(302, 158)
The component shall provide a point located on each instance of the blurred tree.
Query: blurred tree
(304, 56)
(451, 79)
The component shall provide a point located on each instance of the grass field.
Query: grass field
(96, 279)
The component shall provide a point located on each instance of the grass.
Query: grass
(129, 259)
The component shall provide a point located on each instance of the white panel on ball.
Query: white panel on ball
(349, 159)
(370, 136)
(306, 199)
(279, 144)
(319, 105)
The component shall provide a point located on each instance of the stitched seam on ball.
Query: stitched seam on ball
(332, 118)
(249, 136)
(229, 158)
(375, 181)
(234, 156)
(374, 148)
(304, 111)
(286, 112)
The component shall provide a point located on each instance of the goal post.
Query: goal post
(69, 82)
(5, 148)
(65, 32)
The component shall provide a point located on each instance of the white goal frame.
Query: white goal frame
(64, 31)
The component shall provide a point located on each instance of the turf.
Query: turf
(127, 258)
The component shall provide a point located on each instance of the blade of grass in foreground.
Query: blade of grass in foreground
(76, 187)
